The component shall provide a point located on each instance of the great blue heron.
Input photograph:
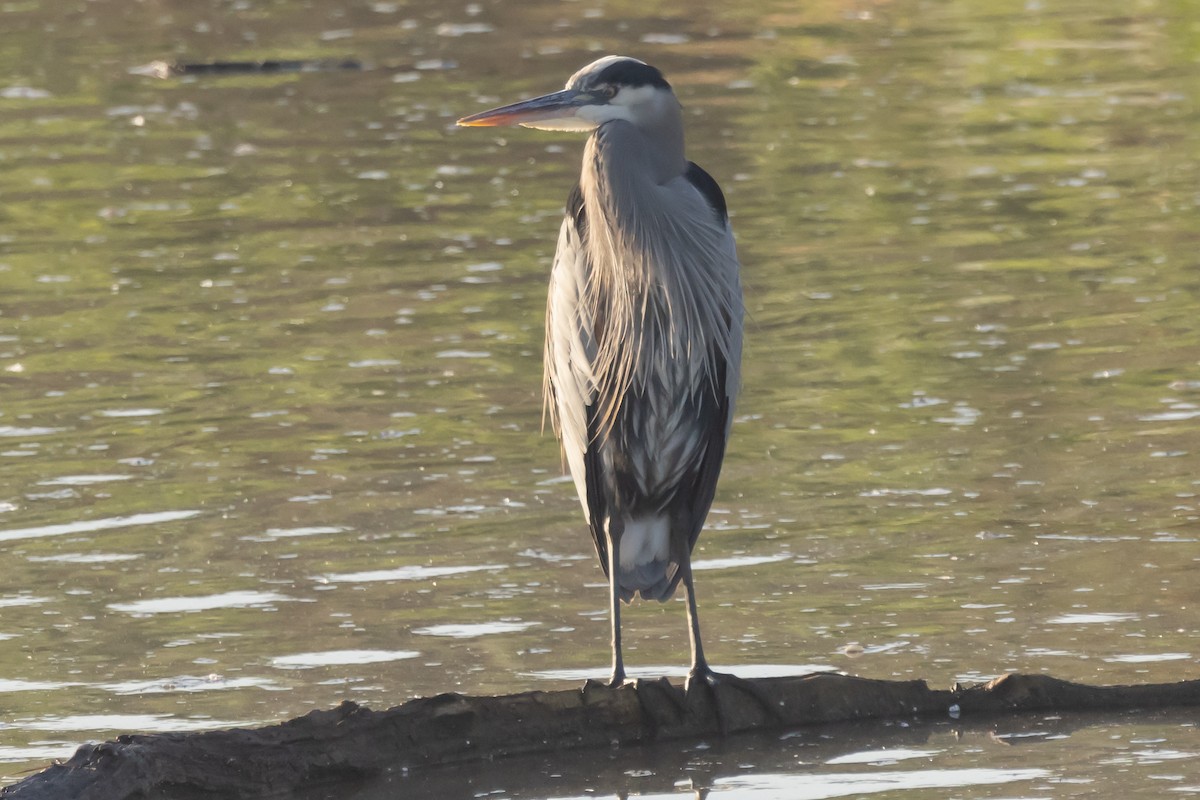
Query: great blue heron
(643, 331)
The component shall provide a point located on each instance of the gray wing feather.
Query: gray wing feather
(716, 404)
(569, 381)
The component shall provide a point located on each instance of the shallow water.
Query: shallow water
(270, 363)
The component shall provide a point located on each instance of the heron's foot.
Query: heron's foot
(615, 682)
(729, 695)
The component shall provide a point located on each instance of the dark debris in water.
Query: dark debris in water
(174, 69)
(178, 69)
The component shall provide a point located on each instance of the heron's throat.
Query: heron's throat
(654, 152)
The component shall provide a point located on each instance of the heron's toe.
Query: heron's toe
(729, 694)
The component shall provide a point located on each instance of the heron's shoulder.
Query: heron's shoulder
(709, 189)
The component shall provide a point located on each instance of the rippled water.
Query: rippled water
(270, 365)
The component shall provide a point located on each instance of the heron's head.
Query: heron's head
(611, 88)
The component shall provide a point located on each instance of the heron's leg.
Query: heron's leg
(615, 528)
(702, 674)
(700, 668)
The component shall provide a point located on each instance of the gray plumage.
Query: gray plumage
(643, 330)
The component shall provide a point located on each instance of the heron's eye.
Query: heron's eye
(608, 92)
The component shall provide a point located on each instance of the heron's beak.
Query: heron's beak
(552, 112)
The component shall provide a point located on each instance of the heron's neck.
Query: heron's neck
(620, 152)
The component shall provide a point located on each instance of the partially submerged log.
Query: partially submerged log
(351, 743)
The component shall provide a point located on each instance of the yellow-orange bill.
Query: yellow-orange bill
(489, 119)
